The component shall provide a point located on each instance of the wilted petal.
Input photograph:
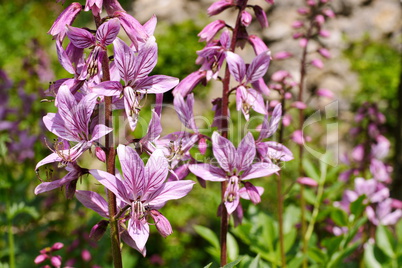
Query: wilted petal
(224, 152)
(108, 31)
(93, 201)
(208, 172)
(80, 38)
(162, 224)
(259, 170)
(236, 65)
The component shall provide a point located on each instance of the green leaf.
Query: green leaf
(296, 262)
(233, 263)
(339, 217)
(317, 255)
(310, 169)
(208, 265)
(208, 235)
(255, 263)
(369, 259)
(290, 218)
(384, 241)
(339, 256)
(232, 247)
(357, 207)
(16, 209)
(332, 244)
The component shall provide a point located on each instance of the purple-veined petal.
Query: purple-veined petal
(189, 83)
(224, 152)
(150, 26)
(125, 60)
(125, 236)
(112, 183)
(258, 66)
(49, 159)
(108, 31)
(169, 191)
(48, 186)
(261, 86)
(80, 38)
(161, 223)
(154, 129)
(253, 192)
(245, 152)
(108, 88)
(232, 205)
(64, 59)
(55, 124)
(208, 172)
(278, 151)
(130, 105)
(93, 201)
(236, 64)
(184, 110)
(146, 59)
(156, 84)
(99, 131)
(246, 195)
(65, 18)
(156, 172)
(139, 232)
(133, 169)
(112, 7)
(258, 170)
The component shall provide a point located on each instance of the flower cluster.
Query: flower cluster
(125, 80)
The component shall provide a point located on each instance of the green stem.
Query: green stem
(11, 244)
(317, 203)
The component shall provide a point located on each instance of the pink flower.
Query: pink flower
(307, 181)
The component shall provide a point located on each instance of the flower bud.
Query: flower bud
(162, 224)
(324, 52)
(209, 31)
(297, 24)
(324, 33)
(246, 18)
(317, 63)
(100, 154)
(57, 246)
(261, 16)
(281, 55)
(98, 230)
(307, 181)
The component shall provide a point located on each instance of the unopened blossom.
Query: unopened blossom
(246, 18)
(236, 167)
(144, 189)
(209, 31)
(261, 16)
(219, 6)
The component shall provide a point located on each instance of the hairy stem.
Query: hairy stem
(110, 165)
(224, 130)
(11, 246)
